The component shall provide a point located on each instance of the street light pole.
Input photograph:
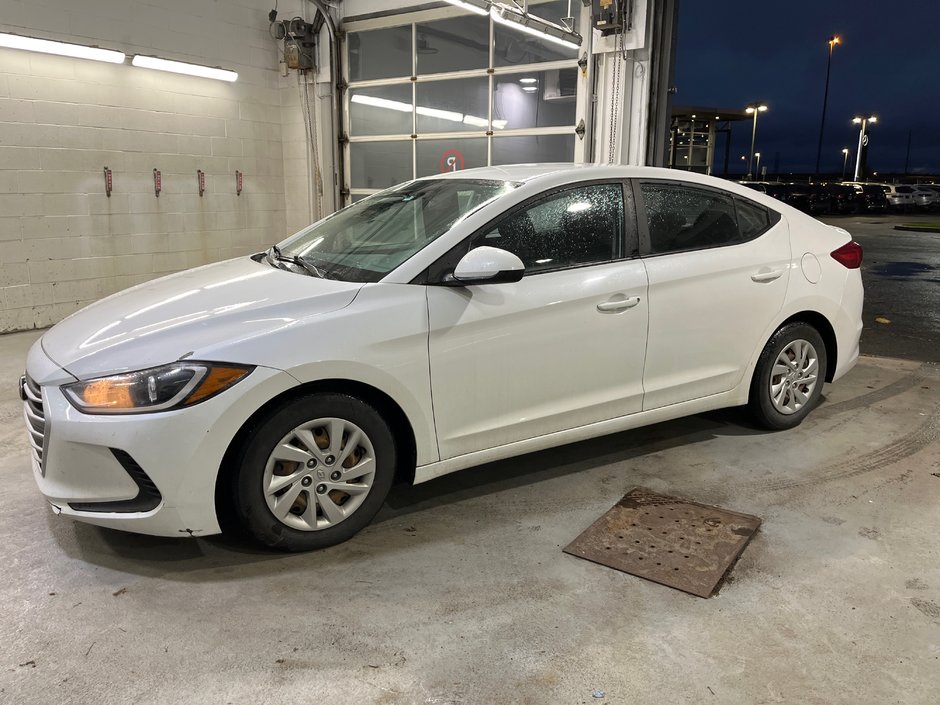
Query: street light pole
(753, 109)
(861, 141)
(757, 168)
(845, 160)
(833, 40)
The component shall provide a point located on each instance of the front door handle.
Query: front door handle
(618, 304)
(767, 275)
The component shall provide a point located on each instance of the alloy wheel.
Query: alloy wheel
(794, 376)
(319, 474)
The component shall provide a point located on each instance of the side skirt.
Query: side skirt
(602, 428)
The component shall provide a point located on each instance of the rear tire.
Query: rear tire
(789, 377)
(314, 473)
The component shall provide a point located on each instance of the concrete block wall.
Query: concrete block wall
(63, 242)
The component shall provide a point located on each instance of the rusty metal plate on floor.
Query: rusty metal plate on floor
(682, 544)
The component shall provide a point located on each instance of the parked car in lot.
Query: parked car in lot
(925, 198)
(440, 324)
(900, 197)
(814, 199)
(844, 199)
(871, 198)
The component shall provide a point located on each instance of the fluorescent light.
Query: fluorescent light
(47, 46)
(475, 121)
(152, 62)
(448, 115)
(530, 89)
(440, 114)
(528, 80)
(381, 103)
(480, 7)
(535, 26)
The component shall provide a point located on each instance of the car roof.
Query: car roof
(535, 177)
(524, 173)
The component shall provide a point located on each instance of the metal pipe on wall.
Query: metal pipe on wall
(337, 104)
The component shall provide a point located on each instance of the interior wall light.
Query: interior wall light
(535, 26)
(449, 115)
(47, 46)
(478, 7)
(152, 62)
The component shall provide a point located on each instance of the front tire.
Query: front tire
(789, 377)
(315, 472)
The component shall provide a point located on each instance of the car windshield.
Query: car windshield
(369, 239)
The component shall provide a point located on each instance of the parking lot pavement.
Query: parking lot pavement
(460, 593)
(901, 273)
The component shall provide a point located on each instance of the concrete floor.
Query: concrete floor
(460, 593)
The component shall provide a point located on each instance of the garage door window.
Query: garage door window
(457, 91)
(577, 227)
(686, 218)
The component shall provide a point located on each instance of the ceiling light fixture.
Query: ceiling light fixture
(528, 80)
(152, 62)
(47, 46)
(537, 27)
(478, 7)
(530, 89)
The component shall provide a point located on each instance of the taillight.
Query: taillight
(849, 255)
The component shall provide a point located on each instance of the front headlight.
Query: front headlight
(156, 389)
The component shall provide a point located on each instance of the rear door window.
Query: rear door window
(680, 217)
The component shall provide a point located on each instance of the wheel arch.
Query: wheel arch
(386, 406)
(826, 332)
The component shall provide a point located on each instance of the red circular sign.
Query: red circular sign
(451, 160)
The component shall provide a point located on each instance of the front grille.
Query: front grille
(35, 419)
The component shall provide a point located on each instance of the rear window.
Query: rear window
(904, 189)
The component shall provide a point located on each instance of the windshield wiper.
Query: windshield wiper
(274, 253)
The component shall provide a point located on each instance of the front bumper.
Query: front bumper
(87, 467)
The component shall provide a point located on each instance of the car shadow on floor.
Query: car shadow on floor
(572, 458)
(222, 558)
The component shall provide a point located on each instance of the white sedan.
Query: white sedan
(437, 325)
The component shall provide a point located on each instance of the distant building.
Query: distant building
(695, 135)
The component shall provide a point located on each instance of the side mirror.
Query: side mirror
(488, 265)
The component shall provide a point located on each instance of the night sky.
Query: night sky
(732, 52)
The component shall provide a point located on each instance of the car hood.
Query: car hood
(180, 315)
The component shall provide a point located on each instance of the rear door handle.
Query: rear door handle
(618, 304)
(767, 275)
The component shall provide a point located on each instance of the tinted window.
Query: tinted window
(904, 189)
(683, 218)
(752, 218)
(579, 226)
